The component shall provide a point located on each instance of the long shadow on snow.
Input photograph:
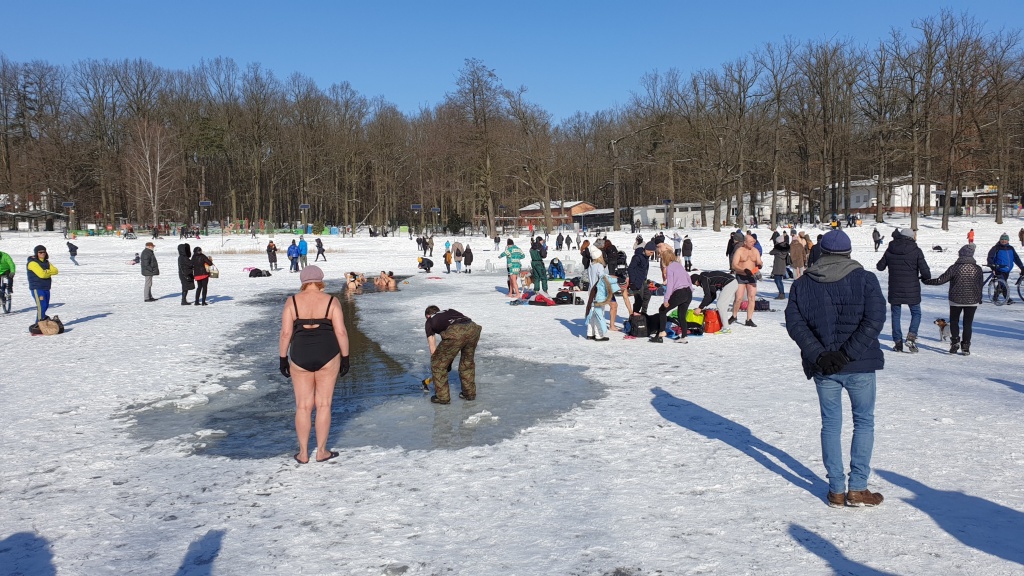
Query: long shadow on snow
(830, 553)
(975, 522)
(1011, 385)
(716, 427)
(26, 553)
(198, 560)
(997, 331)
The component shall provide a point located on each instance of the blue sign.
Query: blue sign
(667, 202)
(205, 203)
(68, 204)
(435, 210)
(303, 206)
(416, 207)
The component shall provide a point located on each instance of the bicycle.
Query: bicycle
(1020, 286)
(997, 290)
(6, 294)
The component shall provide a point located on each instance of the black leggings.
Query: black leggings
(201, 289)
(680, 300)
(954, 321)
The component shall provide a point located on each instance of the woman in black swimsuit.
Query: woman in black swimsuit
(313, 326)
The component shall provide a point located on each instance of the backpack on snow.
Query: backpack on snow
(761, 305)
(563, 297)
(257, 273)
(47, 327)
(638, 326)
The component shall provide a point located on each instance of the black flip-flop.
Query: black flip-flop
(331, 456)
(299, 461)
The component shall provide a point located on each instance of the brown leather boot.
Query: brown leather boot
(863, 498)
(836, 500)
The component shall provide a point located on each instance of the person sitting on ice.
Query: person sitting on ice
(556, 269)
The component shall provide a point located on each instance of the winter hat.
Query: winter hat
(738, 236)
(1005, 237)
(42, 248)
(599, 243)
(967, 250)
(651, 246)
(311, 273)
(595, 253)
(908, 233)
(420, 259)
(836, 242)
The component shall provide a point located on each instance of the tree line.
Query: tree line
(941, 101)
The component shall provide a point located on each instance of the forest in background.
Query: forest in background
(940, 102)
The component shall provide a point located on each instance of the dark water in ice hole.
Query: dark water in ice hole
(380, 401)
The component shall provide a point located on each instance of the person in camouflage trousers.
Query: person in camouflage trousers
(458, 334)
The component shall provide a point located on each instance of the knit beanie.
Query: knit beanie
(836, 242)
(1005, 236)
(967, 250)
(908, 233)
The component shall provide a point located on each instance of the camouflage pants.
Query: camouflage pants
(455, 339)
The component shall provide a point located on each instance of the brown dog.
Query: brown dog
(943, 329)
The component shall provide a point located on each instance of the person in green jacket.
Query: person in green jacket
(7, 270)
(514, 256)
(537, 270)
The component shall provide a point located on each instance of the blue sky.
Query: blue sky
(570, 55)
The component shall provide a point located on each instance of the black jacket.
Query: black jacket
(185, 267)
(467, 257)
(964, 278)
(907, 267)
(711, 282)
(149, 265)
(687, 247)
(639, 266)
(199, 263)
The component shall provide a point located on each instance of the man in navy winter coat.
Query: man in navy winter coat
(639, 266)
(835, 313)
(907, 268)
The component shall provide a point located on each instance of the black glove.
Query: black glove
(286, 370)
(344, 367)
(832, 362)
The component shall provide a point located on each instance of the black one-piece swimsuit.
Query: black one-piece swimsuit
(313, 348)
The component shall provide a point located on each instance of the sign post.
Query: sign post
(71, 214)
(304, 208)
(204, 204)
(416, 209)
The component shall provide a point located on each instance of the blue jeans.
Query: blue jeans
(778, 284)
(915, 320)
(861, 389)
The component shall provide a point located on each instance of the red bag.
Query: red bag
(542, 300)
(712, 321)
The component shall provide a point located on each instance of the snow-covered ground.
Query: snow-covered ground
(577, 457)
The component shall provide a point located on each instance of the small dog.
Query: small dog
(943, 329)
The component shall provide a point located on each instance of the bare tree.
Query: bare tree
(153, 161)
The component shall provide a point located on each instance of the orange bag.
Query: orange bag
(712, 321)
